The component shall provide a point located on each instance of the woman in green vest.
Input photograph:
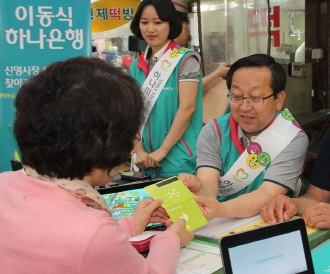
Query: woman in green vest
(173, 123)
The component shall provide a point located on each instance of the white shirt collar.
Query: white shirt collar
(158, 54)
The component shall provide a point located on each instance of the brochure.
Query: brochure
(178, 201)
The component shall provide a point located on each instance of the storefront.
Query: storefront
(221, 30)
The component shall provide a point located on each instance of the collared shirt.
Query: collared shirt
(243, 139)
(62, 234)
(190, 71)
(157, 55)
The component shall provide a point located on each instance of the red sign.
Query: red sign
(258, 18)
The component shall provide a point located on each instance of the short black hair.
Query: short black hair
(166, 12)
(76, 115)
(183, 17)
(278, 75)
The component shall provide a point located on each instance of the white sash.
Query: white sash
(259, 153)
(155, 82)
(157, 78)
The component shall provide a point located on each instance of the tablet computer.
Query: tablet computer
(123, 198)
(282, 248)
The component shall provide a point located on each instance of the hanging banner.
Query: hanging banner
(112, 18)
(33, 35)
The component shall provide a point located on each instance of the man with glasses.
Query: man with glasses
(248, 156)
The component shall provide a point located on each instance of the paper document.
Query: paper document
(199, 257)
(221, 226)
(145, 235)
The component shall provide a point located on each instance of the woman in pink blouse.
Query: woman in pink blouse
(75, 124)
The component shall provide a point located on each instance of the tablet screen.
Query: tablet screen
(275, 249)
(123, 203)
(123, 199)
(272, 255)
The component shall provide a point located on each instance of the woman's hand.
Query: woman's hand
(142, 159)
(148, 211)
(155, 157)
(222, 70)
(178, 227)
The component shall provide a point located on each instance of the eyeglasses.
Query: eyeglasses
(253, 101)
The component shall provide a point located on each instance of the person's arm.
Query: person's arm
(127, 225)
(246, 205)
(282, 208)
(204, 184)
(141, 155)
(220, 71)
(250, 204)
(311, 197)
(188, 91)
(208, 163)
(109, 251)
(313, 206)
(317, 216)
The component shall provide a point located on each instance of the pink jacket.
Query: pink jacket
(44, 229)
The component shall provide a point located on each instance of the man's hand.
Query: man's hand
(148, 211)
(209, 206)
(192, 182)
(317, 216)
(280, 208)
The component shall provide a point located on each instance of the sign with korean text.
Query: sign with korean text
(108, 15)
(33, 35)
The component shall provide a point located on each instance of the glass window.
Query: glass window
(234, 29)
